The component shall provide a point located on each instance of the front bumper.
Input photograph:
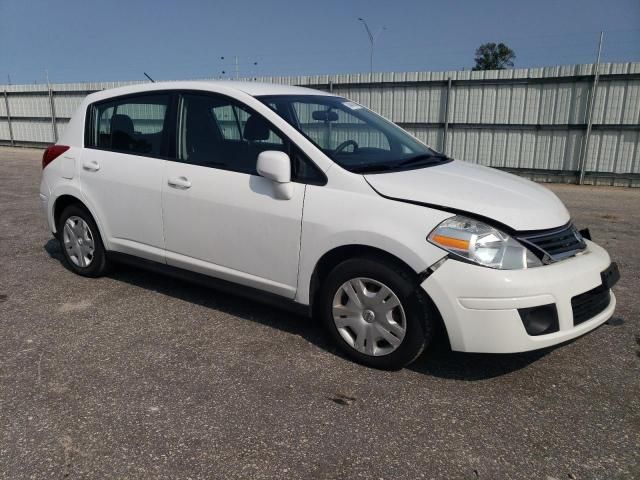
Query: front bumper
(479, 306)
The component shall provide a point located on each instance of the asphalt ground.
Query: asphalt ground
(136, 375)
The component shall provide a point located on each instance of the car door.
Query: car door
(122, 171)
(220, 217)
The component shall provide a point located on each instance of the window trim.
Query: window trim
(290, 144)
(168, 149)
(169, 123)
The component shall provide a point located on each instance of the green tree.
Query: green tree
(492, 56)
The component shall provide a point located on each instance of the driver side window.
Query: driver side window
(216, 132)
(329, 128)
(219, 133)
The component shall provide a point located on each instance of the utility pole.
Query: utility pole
(372, 41)
(592, 98)
(52, 109)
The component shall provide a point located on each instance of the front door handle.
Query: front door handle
(91, 166)
(179, 182)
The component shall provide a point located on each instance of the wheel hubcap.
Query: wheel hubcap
(78, 241)
(369, 316)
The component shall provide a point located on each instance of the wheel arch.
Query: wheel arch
(69, 198)
(62, 202)
(336, 255)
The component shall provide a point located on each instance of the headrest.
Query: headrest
(256, 128)
(122, 123)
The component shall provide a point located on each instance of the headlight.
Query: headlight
(482, 244)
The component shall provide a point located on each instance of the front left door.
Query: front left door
(220, 217)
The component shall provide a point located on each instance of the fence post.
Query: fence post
(6, 105)
(592, 99)
(446, 117)
(54, 127)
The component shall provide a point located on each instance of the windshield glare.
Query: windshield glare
(354, 137)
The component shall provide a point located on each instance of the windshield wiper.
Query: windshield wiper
(428, 157)
(425, 158)
(371, 167)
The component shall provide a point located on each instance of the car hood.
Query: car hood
(459, 186)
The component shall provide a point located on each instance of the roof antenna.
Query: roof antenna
(152, 80)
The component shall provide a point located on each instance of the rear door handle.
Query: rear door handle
(91, 166)
(179, 182)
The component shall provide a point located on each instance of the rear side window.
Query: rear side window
(134, 124)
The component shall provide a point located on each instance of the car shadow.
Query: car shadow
(438, 361)
(54, 250)
(207, 297)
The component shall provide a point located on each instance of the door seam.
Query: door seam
(304, 199)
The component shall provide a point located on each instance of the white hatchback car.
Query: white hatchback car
(294, 194)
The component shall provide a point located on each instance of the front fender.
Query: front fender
(334, 218)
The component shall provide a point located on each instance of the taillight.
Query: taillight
(51, 153)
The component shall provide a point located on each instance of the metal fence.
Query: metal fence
(529, 121)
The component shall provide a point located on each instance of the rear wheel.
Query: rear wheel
(375, 313)
(81, 242)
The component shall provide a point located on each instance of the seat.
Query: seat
(202, 145)
(257, 132)
(122, 133)
(256, 129)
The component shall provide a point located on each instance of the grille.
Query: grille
(587, 305)
(556, 244)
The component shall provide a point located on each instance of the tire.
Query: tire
(414, 313)
(87, 257)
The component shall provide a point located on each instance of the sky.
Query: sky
(87, 40)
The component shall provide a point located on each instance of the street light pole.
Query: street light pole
(372, 41)
(592, 98)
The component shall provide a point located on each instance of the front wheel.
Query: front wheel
(375, 313)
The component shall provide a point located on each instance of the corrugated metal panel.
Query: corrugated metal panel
(576, 142)
(29, 106)
(32, 131)
(626, 149)
(4, 131)
(66, 105)
(513, 149)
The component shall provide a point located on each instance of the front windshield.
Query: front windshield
(354, 137)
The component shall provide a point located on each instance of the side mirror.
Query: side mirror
(276, 166)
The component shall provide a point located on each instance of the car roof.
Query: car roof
(251, 88)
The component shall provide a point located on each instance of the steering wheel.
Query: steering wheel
(345, 144)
